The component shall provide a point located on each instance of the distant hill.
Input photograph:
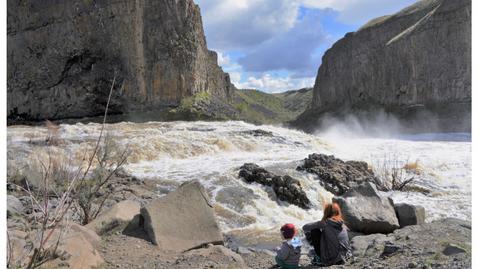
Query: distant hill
(260, 107)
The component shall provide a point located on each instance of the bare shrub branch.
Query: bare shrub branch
(393, 174)
(70, 187)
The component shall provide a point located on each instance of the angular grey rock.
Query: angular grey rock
(14, 206)
(452, 249)
(182, 220)
(411, 64)
(409, 214)
(63, 55)
(390, 248)
(366, 211)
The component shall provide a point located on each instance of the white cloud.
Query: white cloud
(293, 50)
(223, 59)
(235, 78)
(234, 24)
(358, 12)
(272, 84)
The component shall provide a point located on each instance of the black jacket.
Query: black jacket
(330, 241)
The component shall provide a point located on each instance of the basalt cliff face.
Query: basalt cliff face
(415, 61)
(64, 54)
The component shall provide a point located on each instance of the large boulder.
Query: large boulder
(120, 214)
(366, 211)
(335, 175)
(409, 214)
(285, 187)
(182, 220)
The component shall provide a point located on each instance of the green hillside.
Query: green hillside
(260, 107)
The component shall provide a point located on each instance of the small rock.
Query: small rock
(14, 206)
(452, 249)
(412, 265)
(390, 249)
(409, 214)
(243, 250)
(258, 132)
(268, 252)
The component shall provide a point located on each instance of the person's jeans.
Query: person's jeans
(284, 265)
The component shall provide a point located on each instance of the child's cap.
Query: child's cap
(288, 230)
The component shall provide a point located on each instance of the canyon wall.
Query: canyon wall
(64, 54)
(415, 61)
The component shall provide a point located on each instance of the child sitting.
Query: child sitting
(288, 255)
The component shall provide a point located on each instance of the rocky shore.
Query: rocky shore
(141, 227)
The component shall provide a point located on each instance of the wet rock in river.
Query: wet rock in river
(258, 132)
(285, 187)
(335, 175)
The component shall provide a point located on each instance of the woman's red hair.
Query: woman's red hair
(332, 211)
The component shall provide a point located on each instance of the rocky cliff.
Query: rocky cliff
(415, 61)
(64, 54)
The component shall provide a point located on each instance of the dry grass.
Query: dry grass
(414, 167)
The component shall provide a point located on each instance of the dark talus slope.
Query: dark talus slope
(63, 55)
(415, 61)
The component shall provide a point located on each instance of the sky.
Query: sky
(277, 45)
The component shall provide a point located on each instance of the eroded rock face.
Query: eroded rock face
(335, 175)
(63, 56)
(415, 62)
(285, 187)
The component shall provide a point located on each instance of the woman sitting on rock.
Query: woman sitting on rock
(329, 237)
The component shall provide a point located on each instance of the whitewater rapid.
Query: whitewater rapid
(212, 152)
